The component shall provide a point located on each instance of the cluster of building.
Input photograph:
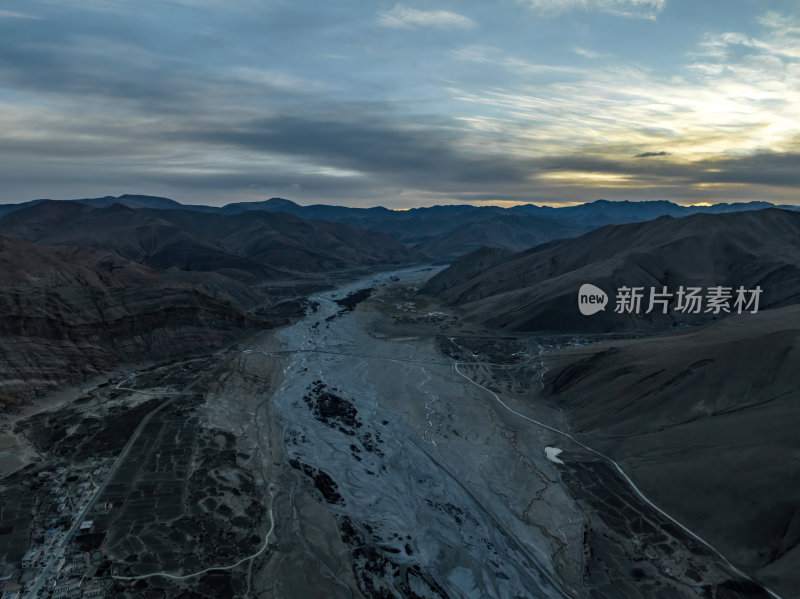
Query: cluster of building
(61, 498)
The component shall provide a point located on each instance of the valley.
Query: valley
(378, 446)
(399, 300)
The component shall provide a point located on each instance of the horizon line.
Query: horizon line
(502, 204)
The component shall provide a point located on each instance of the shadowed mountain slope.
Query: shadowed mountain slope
(706, 424)
(84, 289)
(507, 232)
(536, 290)
(254, 246)
(70, 313)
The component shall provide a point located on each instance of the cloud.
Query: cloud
(586, 53)
(780, 24)
(274, 79)
(403, 17)
(429, 154)
(177, 101)
(481, 53)
(780, 40)
(8, 14)
(642, 9)
(729, 102)
(651, 154)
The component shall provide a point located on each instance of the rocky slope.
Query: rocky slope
(69, 314)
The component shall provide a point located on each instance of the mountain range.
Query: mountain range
(88, 286)
(536, 290)
(260, 245)
(445, 232)
(86, 277)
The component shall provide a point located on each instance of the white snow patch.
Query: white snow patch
(552, 454)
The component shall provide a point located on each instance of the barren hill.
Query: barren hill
(536, 290)
(706, 423)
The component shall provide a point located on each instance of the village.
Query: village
(62, 560)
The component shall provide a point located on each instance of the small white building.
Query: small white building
(86, 525)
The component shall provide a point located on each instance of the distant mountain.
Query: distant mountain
(506, 231)
(352, 216)
(291, 243)
(421, 224)
(253, 246)
(444, 232)
(131, 234)
(604, 212)
(705, 422)
(9, 208)
(596, 213)
(536, 290)
(133, 201)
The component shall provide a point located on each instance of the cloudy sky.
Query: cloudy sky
(401, 103)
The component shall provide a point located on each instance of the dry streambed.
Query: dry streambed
(431, 489)
(437, 490)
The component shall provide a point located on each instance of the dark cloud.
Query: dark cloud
(125, 96)
(205, 100)
(651, 154)
(415, 153)
(760, 168)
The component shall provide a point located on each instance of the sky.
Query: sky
(401, 104)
